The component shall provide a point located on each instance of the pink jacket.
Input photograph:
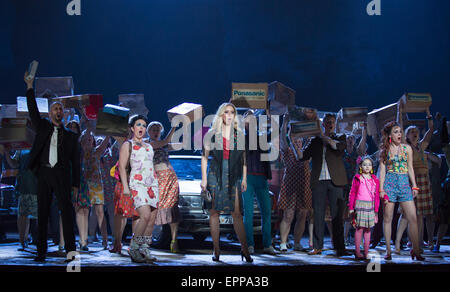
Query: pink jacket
(355, 189)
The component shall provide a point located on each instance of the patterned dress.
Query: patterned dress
(168, 189)
(295, 190)
(90, 169)
(107, 161)
(123, 205)
(424, 200)
(82, 198)
(143, 182)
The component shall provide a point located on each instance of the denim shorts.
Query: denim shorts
(397, 187)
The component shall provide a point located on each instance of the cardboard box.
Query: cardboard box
(249, 95)
(74, 101)
(376, 119)
(353, 114)
(135, 102)
(111, 125)
(281, 93)
(117, 110)
(297, 113)
(8, 111)
(17, 137)
(32, 68)
(15, 123)
(416, 102)
(192, 110)
(53, 86)
(305, 128)
(350, 128)
(95, 104)
(277, 108)
(22, 107)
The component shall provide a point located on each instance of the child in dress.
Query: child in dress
(364, 201)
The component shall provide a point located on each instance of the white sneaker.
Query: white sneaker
(270, 250)
(283, 247)
(251, 249)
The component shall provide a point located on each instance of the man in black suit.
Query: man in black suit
(328, 177)
(55, 160)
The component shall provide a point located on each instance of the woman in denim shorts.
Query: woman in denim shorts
(396, 172)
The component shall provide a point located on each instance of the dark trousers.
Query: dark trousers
(320, 193)
(54, 181)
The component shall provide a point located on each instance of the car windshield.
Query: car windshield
(189, 169)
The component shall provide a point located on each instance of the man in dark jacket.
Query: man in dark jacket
(328, 177)
(55, 160)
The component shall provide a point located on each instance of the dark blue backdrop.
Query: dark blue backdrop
(330, 51)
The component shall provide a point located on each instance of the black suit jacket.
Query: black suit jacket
(333, 157)
(44, 129)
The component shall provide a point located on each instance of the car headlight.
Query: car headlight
(194, 202)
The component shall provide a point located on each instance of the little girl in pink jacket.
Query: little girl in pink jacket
(364, 201)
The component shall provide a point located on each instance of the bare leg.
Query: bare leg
(119, 225)
(409, 210)
(151, 222)
(387, 225)
(134, 223)
(238, 224)
(311, 227)
(82, 217)
(174, 230)
(23, 225)
(104, 231)
(100, 218)
(285, 225)
(300, 223)
(402, 225)
(214, 225)
(144, 219)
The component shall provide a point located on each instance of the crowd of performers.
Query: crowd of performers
(329, 181)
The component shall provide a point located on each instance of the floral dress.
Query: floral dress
(90, 168)
(143, 182)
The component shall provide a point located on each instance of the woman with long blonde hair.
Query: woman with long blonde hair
(227, 175)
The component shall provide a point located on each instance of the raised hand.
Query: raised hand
(28, 82)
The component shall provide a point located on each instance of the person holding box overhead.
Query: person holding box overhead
(328, 177)
(55, 160)
(424, 200)
(169, 190)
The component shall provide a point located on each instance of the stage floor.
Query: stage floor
(198, 256)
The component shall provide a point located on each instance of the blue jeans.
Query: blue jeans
(257, 184)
